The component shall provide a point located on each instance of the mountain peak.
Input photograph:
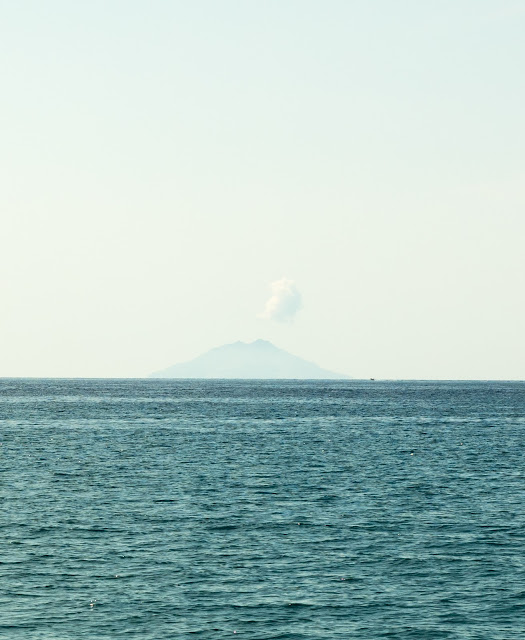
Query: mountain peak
(260, 343)
(259, 359)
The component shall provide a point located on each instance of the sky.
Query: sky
(344, 178)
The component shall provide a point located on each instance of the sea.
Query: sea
(293, 510)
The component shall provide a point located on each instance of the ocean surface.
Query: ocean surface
(155, 509)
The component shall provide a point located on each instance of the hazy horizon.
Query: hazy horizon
(343, 179)
(336, 376)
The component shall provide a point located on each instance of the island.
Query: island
(248, 360)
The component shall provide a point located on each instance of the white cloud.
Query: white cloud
(284, 302)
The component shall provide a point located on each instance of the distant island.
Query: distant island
(253, 360)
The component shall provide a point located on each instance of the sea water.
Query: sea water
(156, 509)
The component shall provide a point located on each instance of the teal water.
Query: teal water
(155, 509)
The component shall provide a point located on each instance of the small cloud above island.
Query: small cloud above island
(284, 302)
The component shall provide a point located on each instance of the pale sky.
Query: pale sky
(164, 162)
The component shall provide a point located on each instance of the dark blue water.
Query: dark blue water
(157, 509)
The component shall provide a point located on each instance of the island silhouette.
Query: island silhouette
(253, 360)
